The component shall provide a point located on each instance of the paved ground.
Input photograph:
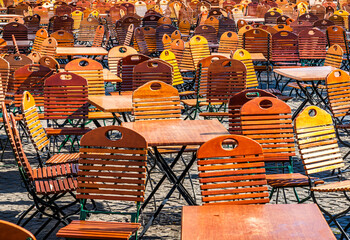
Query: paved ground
(14, 198)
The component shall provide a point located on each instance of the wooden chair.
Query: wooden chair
(43, 13)
(150, 38)
(334, 56)
(49, 62)
(63, 38)
(62, 23)
(283, 27)
(30, 78)
(160, 31)
(170, 58)
(150, 20)
(199, 48)
(241, 31)
(12, 231)
(156, 100)
(151, 70)
(308, 17)
(212, 21)
(320, 153)
(39, 136)
(48, 47)
(117, 53)
(337, 35)
(40, 36)
(65, 99)
(87, 30)
(226, 25)
(323, 24)
(126, 70)
(245, 57)
(35, 56)
(4, 74)
(312, 46)
(33, 25)
(285, 49)
(209, 33)
(300, 25)
(257, 41)
(166, 41)
(234, 175)
(176, 35)
(77, 18)
(228, 42)
(140, 41)
(127, 160)
(178, 47)
(338, 21)
(271, 17)
(44, 185)
(318, 10)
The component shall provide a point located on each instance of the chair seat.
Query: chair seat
(98, 230)
(66, 131)
(63, 158)
(186, 93)
(55, 171)
(289, 180)
(333, 187)
(193, 102)
(54, 186)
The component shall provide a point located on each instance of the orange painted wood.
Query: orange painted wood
(233, 175)
(176, 132)
(115, 103)
(72, 51)
(312, 44)
(275, 221)
(12, 231)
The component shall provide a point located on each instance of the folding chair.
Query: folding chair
(46, 186)
(118, 176)
(319, 151)
(232, 175)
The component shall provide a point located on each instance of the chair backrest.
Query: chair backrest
(300, 25)
(166, 41)
(269, 121)
(212, 21)
(156, 100)
(170, 58)
(178, 47)
(77, 17)
(11, 131)
(316, 140)
(228, 42)
(245, 57)
(312, 44)
(318, 10)
(323, 24)
(202, 73)
(176, 35)
(185, 27)
(43, 13)
(48, 47)
(49, 62)
(283, 27)
(30, 78)
(338, 85)
(99, 35)
(92, 71)
(63, 10)
(164, 20)
(63, 38)
(35, 56)
(65, 96)
(208, 32)
(63, 23)
(226, 24)
(334, 56)
(140, 41)
(129, 35)
(126, 69)
(153, 69)
(235, 104)
(285, 47)
(199, 48)
(4, 74)
(308, 17)
(32, 122)
(225, 78)
(338, 20)
(11, 231)
(150, 38)
(257, 41)
(118, 165)
(337, 35)
(32, 23)
(271, 17)
(117, 53)
(241, 31)
(18, 30)
(40, 36)
(232, 176)
(160, 31)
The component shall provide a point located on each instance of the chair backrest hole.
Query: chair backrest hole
(265, 104)
(312, 113)
(114, 135)
(83, 63)
(155, 86)
(229, 144)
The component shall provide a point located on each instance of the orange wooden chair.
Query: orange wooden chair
(49, 62)
(320, 153)
(12, 231)
(228, 42)
(45, 185)
(232, 175)
(118, 176)
(65, 99)
(337, 35)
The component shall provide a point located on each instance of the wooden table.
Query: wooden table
(113, 104)
(253, 19)
(174, 133)
(108, 76)
(305, 73)
(86, 51)
(314, 75)
(242, 222)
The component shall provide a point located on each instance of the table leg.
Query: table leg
(117, 118)
(308, 99)
(319, 95)
(177, 183)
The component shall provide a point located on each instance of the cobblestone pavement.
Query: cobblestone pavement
(14, 198)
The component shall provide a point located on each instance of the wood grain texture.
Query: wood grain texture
(228, 222)
(177, 132)
(305, 73)
(116, 103)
